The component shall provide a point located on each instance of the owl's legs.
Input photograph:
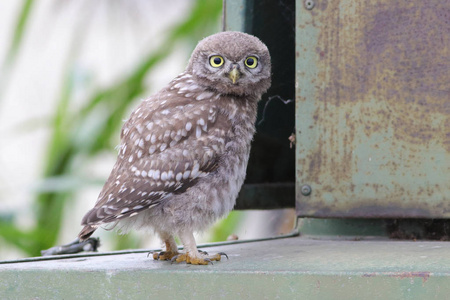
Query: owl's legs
(171, 248)
(191, 254)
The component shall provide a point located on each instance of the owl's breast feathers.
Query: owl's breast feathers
(171, 141)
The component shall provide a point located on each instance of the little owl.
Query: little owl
(184, 151)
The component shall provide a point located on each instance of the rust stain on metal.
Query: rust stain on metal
(379, 130)
(411, 46)
(403, 275)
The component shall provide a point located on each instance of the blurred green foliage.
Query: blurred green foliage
(75, 137)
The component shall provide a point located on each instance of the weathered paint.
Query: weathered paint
(373, 108)
(290, 268)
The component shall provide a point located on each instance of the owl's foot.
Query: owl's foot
(164, 255)
(202, 259)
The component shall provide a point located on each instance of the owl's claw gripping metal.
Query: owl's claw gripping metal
(194, 260)
(223, 253)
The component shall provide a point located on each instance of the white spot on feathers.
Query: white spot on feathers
(139, 128)
(178, 177)
(204, 95)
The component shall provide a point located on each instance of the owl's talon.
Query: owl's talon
(202, 251)
(173, 259)
(223, 254)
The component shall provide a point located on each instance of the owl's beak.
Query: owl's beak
(234, 75)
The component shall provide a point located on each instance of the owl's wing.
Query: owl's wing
(164, 151)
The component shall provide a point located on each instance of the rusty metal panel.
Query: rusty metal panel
(373, 108)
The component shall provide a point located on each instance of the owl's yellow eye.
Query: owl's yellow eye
(216, 61)
(251, 62)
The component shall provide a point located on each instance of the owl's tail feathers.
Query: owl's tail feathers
(86, 232)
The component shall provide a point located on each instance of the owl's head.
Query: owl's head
(233, 63)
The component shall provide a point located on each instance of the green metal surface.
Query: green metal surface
(339, 228)
(399, 229)
(285, 268)
(373, 108)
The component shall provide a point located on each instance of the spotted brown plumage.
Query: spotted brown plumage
(184, 150)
